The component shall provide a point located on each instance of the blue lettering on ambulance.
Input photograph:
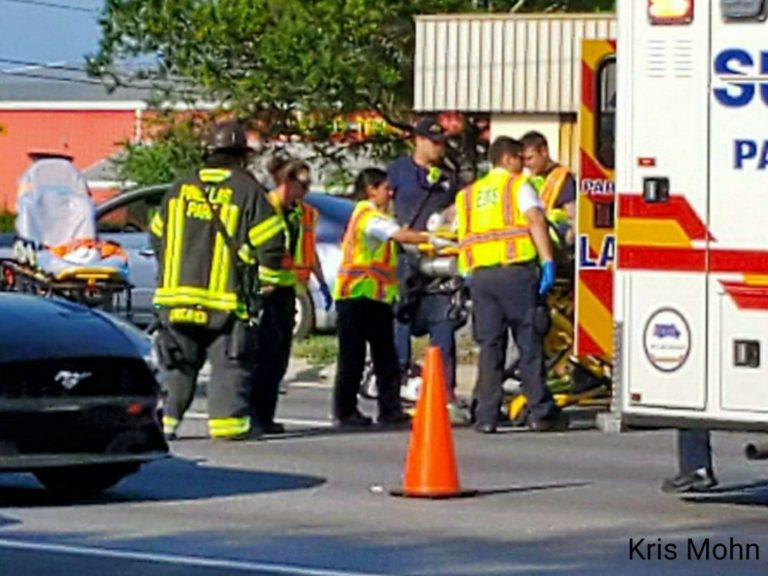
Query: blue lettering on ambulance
(738, 68)
(604, 259)
(750, 154)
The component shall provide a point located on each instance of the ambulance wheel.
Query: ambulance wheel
(304, 321)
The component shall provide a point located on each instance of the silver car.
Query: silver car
(125, 219)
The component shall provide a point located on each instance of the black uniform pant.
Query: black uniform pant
(504, 298)
(362, 321)
(693, 450)
(183, 351)
(273, 352)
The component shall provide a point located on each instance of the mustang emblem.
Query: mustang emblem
(71, 379)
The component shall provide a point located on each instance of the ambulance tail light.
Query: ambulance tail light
(670, 11)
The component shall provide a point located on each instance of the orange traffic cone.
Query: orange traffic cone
(430, 467)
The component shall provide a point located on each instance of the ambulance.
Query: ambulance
(672, 278)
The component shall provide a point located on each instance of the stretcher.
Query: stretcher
(57, 251)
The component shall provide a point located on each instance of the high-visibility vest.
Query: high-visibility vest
(304, 258)
(365, 272)
(286, 274)
(549, 189)
(492, 230)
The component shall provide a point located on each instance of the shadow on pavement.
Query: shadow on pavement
(745, 494)
(167, 481)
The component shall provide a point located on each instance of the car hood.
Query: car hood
(33, 328)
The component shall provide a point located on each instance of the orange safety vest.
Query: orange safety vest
(491, 229)
(304, 259)
(365, 272)
(549, 188)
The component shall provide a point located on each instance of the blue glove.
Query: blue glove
(326, 292)
(547, 279)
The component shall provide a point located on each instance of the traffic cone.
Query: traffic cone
(430, 467)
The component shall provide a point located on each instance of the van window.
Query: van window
(605, 122)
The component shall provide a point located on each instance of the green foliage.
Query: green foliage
(290, 67)
(175, 149)
(7, 222)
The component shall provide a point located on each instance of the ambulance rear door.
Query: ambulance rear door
(595, 241)
(661, 229)
(738, 210)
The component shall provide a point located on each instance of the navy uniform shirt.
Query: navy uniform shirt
(410, 185)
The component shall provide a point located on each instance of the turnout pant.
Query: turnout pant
(504, 298)
(362, 321)
(183, 351)
(273, 352)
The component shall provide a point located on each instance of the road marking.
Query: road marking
(304, 422)
(191, 561)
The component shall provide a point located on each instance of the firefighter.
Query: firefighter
(282, 238)
(421, 188)
(365, 291)
(206, 232)
(502, 233)
(554, 183)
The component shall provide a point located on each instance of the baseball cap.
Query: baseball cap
(430, 128)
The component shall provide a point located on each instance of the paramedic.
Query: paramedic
(205, 303)
(694, 456)
(554, 183)
(281, 234)
(365, 290)
(502, 237)
(421, 188)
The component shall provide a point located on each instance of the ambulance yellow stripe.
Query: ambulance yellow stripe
(652, 232)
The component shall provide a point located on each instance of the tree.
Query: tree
(288, 66)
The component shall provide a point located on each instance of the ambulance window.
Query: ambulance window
(744, 9)
(605, 124)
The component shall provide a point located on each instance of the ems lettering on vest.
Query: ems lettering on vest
(602, 260)
(486, 197)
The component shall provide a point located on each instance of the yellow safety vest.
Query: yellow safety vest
(365, 272)
(285, 275)
(549, 189)
(492, 230)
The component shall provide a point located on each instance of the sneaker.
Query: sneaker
(356, 420)
(556, 423)
(457, 414)
(699, 480)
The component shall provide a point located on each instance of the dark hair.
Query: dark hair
(367, 177)
(534, 139)
(503, 146)
(286, 169)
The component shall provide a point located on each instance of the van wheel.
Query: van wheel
(304, 321)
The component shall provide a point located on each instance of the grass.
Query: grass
(322, 349)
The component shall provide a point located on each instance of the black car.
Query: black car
(79, 402)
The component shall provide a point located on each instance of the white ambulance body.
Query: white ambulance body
(691, 284)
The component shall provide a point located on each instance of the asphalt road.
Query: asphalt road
(307, 505)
